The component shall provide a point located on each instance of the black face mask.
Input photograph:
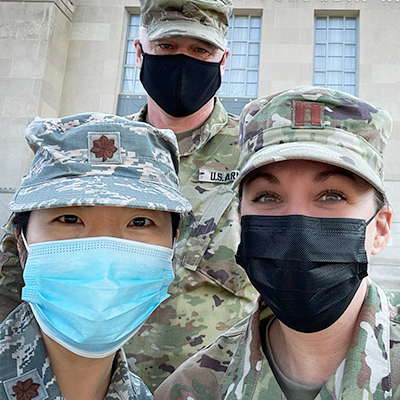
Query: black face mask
(307, 269)
(179, 84)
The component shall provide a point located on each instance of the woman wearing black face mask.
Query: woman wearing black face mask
(313, 212)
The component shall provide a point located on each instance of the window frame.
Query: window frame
(328, 44)
(248, 42)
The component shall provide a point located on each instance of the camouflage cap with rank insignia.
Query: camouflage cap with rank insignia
(317, 124)
(206, 20)
(100, 159)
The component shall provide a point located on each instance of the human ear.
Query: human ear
(223, 62)
(22, 251)
(139, 58)
(383, 224)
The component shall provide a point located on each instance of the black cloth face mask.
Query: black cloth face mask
(179, 84)
(307, 269)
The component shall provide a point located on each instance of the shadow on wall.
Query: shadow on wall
(132, 103)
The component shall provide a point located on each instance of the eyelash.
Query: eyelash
(259, 195)
(337, 193)
(145, 219)
(68, 216)
(64, 220)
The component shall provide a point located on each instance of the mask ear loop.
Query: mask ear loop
(370, 220)
(141, 49)
(24, 241)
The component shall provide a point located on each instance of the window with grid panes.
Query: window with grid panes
(239, 83)
(335, 53)
(131, 82)
(241, 72)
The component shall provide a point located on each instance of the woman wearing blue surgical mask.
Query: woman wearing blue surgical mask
(313, 212)
(96, 218)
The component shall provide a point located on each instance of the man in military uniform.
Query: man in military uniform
(181, 51)
(182, 54)
(313, 211)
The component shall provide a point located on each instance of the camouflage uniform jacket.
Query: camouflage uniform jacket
(25, 371)
(211, 292)
(235, 367)
(11, 281)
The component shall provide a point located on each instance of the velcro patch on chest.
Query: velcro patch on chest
(206, 175)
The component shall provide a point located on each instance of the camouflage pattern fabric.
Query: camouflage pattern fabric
(204, 20)
(210, 292)
(25, 371)
(99, 159)
(318, 124)
(11, 281)
(234, 366)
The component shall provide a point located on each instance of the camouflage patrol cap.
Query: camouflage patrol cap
(317, 124)
(206, 20)
(100, 159)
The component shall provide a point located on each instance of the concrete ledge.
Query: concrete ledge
(66, 6)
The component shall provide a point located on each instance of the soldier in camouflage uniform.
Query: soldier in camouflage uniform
(210, 292)
(312, 157)
(98, 213)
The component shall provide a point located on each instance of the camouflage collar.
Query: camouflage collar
(367, 367)
(200, 136)
(140, 116)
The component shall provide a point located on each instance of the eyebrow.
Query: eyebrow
(324, 175)
(320, 177)
(264, 175)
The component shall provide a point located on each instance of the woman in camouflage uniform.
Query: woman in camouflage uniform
(313, 212)
(95, 218)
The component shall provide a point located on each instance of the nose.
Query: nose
(182, 50)
(107, 227)
(297, 207)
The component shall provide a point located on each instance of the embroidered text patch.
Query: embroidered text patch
(206, 175)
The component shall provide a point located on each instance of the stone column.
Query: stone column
(34, 38)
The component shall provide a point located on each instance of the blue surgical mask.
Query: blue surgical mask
(91, 295)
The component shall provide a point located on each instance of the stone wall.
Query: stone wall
(34, 39)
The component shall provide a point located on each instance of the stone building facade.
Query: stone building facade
(60, 57)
